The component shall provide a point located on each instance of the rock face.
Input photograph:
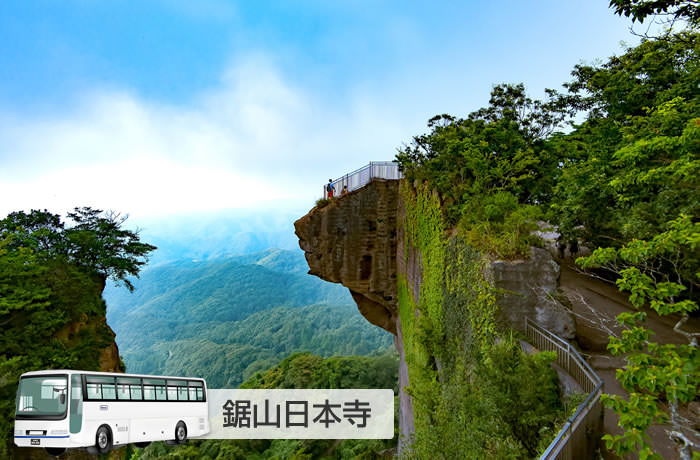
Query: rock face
(95, 326)
(527, 289)
(352, 241)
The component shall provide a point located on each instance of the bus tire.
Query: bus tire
(180, 432)
(103, 439)
(55, 451)
(142, 445)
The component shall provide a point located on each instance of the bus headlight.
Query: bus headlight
(18, 432)
(59, 432)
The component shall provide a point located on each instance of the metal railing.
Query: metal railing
(580, 435)
(363, 176)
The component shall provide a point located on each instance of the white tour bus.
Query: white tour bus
(63, 409)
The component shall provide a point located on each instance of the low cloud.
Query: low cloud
(253, 141)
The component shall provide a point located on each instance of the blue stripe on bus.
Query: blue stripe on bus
(35, 437)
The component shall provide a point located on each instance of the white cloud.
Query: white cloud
(255, 141)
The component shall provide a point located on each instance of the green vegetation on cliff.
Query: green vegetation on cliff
(626, 178)
(490, 169)
(465, 372)
(51, 308)
(627, 170)
(300, 370)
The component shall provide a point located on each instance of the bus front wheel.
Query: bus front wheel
(180, 432)
(103, 439)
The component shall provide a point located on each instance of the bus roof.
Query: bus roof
(116, 374)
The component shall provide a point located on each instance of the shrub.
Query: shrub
(322, 202)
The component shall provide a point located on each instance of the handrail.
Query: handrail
(362, 176)
(572, 439)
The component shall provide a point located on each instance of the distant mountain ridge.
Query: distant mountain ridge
(217, 235)
(226, 318)
(222, 289)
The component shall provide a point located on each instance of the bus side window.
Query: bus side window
(123, 392)
(129, 388)
(154, 390)
(136, 392)
(177, 390)
(149, 393)
(94, 391)
(109, 391)
(172, 392)
(100, 387)
(196, 390)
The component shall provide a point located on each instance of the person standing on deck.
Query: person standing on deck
(330, 189)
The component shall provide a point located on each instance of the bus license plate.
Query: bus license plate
(35, 442)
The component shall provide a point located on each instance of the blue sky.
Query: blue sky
(172, 107)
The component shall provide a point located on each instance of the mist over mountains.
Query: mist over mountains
(206, 236)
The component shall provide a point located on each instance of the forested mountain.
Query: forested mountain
(225, 319)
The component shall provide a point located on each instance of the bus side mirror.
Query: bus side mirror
(62, 398)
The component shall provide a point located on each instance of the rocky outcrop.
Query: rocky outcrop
(528, 289)
(96, 326)
(352, 241)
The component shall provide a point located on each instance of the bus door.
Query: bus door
(76, 404)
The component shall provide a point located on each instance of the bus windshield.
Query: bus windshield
(42, 397)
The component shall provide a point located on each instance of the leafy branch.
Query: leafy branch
(654, 372)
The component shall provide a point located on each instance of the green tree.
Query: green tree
(98, 241)
(633, 164)
(653, 273)
(639, 10)
(94, 240)
(491, 169)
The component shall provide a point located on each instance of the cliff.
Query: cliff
(353, 241)
(383, 243)
(83, 341)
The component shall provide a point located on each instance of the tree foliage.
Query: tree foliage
(95, 241)
(652, 272)
(633, 165)
(639, 10)
(492, 169)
